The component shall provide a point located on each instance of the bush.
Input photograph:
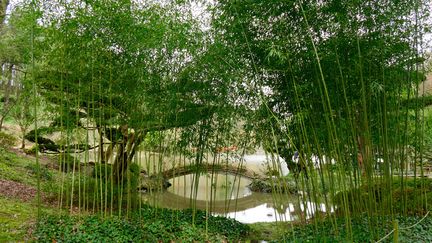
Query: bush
(411, 199)
(7, 140)
(68, 162)
(45, 173)
(96, 190)
(31, 150)
(279, 185)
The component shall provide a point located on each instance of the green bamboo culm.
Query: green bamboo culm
(33, 6)
(141, 105)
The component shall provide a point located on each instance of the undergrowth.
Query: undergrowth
(361, 230)
(146, 225)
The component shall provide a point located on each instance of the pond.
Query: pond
(228, 195)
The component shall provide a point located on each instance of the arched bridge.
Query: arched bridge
(205, 168)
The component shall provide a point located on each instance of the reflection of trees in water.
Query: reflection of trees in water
(299, 210)
(287, 209)
(280, 207)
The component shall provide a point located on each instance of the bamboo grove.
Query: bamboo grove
(125, 94)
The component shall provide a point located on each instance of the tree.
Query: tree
(15, 57)
(24, 113)
(334, 72)
(126, 69)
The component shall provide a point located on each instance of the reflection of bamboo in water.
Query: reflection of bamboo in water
(171, 200)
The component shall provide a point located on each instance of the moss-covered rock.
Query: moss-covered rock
(273, 184)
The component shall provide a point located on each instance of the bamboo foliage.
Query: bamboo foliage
(330, 88)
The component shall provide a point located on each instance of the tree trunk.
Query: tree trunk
(108, 152)
(7, 103)
(1, 122)
(3, 7)
(23, 133)
(119, 162)
(125, 153)
(101, 147)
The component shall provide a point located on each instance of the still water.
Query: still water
(228, 195)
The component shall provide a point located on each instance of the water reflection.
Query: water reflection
(214, 187)
(269, 212)
(231, 198)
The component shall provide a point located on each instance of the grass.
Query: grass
(17, 218)
(21, 169)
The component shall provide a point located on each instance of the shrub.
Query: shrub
(31, 150)
(280, 185)
(67, 162)
(410, 199)
(7, 140)
(45, 173)
(96, 190)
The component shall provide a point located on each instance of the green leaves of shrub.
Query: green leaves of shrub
(147, 225)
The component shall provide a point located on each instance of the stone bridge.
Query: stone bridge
(205, 168)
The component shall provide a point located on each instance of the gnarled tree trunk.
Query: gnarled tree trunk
(125, 152)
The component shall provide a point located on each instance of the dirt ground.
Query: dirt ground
(12, 189)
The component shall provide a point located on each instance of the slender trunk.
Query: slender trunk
(23, 131)
(3, 7)
(1, 123)
(101, 147)
(108, 152)
(7, 106)
(24, 127)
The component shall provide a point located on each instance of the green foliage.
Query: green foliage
(148, 224)
(363, 229)
(68, 162)
(413, 198)
(44, 173)
(275, 185)
(7, 140)
(31, 150)
(87, 229)
(102, 171)
(98, 189)
(153, 140)
(333, 83)
(16, 218)
(143, 93)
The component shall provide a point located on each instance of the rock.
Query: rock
(269, 185)
(153, 183)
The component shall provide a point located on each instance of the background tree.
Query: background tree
(24, 113)
(3, 7)
(15, 56)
